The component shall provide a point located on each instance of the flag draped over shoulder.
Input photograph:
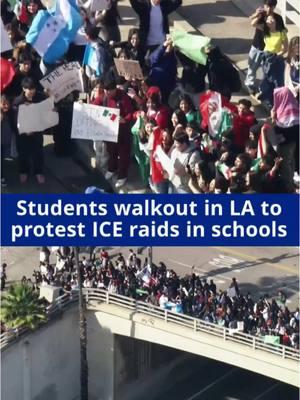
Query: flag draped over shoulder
(53, 30)
(140, 156)
(192, 46)
(262, 148)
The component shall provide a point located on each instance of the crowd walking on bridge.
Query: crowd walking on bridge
(198, 296)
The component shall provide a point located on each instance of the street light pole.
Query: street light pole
(82, 333)
(150, 255)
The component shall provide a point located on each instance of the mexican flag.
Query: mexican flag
(140, 156)
(217, 117)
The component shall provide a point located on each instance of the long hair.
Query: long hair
(295, 41)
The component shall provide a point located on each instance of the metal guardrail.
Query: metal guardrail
(195, 324)
(191, 323)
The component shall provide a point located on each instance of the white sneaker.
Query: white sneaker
(121, 182)
(108, 175)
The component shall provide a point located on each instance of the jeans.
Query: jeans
(273, 68)
(254, 62)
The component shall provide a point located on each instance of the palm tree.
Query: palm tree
(22, 308)
(82, 334)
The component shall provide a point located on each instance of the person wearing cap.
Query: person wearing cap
(184, 157)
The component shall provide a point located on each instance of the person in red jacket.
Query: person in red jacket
(243, 122)
(157, 111)
(119, 153)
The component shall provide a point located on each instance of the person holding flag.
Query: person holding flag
(52, 30)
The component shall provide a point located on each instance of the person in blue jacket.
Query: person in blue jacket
(163, 69)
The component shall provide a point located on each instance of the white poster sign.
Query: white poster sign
(37, 117)
(167, 165)
(165, 160)
(97, 5)
(5, 42)
(63, 80)
(95, 122)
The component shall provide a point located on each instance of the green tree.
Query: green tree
(22, 308)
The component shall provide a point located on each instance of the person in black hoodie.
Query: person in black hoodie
(132, 46)
(223, 77)
(7, 133)
(29, 145)
(153, 15)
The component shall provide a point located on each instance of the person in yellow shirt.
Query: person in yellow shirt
(276, 46)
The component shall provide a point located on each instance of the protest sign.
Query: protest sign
(95, 122)
(37, 117)
(165, 160)
(130, 68)
(167, 165)
(97, 5)
(63, 80)
(5, 42)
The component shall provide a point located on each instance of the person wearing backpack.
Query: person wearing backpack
(97, 56)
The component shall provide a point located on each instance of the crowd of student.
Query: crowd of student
(210, 144)
(161, 286)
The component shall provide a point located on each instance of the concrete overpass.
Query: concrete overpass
(110, 315)
(139, 320)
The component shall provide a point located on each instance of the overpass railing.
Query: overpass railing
(147, 309)
(191, 323)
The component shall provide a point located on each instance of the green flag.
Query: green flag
(255, 165)
(269, 339)
(191, 46)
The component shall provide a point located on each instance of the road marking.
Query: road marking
(237, 253)
(212, 384)
(197, 269)
(267, 391)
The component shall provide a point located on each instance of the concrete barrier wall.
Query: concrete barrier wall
(143, 327)
(43, 365)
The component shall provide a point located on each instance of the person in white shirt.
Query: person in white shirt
(153, 16)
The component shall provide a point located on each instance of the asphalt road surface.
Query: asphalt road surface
(260, 270)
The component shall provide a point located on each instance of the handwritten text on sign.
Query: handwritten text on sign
(95, 122)
(63, 80)
(130, 68)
